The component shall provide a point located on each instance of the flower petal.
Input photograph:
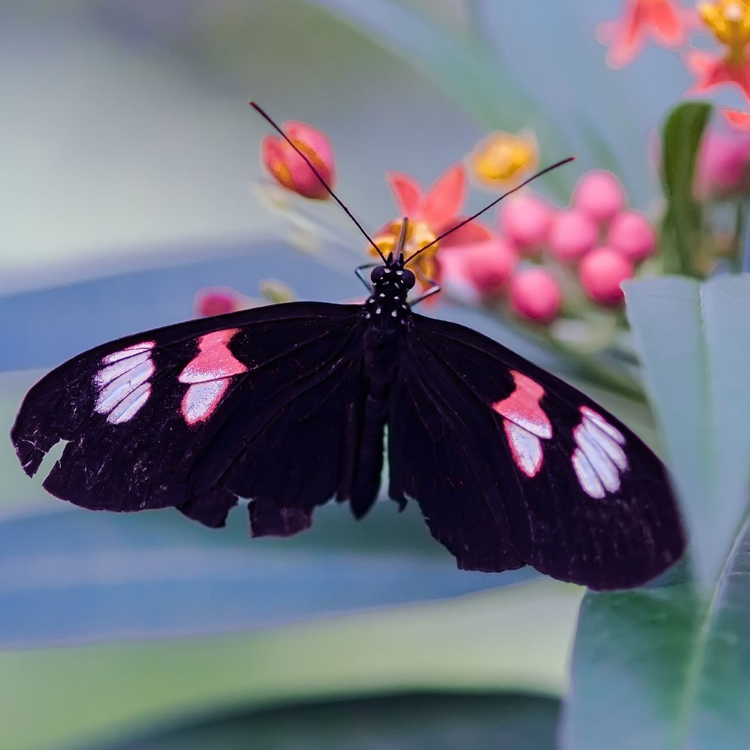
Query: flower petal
(446, 197)
(469, 234)
(407, 194)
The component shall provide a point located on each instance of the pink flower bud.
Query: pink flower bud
(217, 301)
(601, 272)
(600, 195)
(289, 169)
(487, 265)
(526, 221)
(723, 168)
(632, 234)
(535, 294)
(572, 234)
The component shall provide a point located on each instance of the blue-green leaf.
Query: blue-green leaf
(694, 343)
(665, 667)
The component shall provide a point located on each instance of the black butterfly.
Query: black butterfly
(288, 405)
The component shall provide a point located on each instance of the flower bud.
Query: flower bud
(218, 300)
(632, 234)
(600, 195)
(290, 170)
(526, 220)
(601, 272)
(723, 168)
(535, 294)
(572, 234)
(487, 265)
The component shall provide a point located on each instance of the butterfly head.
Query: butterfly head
(391, 283)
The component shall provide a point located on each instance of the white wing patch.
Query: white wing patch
(599, 460)
(122, 383)
(526, 448)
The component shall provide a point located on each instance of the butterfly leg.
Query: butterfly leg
(364, 280)
(434, 289)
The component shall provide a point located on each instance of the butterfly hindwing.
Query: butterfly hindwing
(566, 486)
(261, 403)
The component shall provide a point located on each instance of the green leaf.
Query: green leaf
(681, 229)
(694, 343)
(664, 667)
(400, 722)
(515, 639)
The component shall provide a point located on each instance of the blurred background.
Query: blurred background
(130, 162)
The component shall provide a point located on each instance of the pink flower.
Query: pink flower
(712, 70)
(723, 167)
(430, 214)
(737, 118)
(600, 195)
(487, 265)
(632, 234)
(526, 220)
(218, 300)
(602, 272)
(289, 169)
(729, 23)
(663, 20)
(572, 234)
(535, 294)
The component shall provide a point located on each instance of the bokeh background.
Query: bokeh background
(129, 164)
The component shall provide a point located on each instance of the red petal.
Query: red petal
(446, 197)
(407, 194)
(469, 234)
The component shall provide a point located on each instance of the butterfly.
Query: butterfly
(293, 404)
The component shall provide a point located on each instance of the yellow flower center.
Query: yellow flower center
(503, 158)
(419, 234)
(729, 21)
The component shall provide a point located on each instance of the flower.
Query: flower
(290, 170)
(218, 300)
(535, 294)
(663, 20)
(600, 195)
(602, 272)
(737, 118)
(632, 234)
(487, 265)
(525, 219)
(430, 214)
(572, 234)
(501, 160)
(723, 168)
(729, 22)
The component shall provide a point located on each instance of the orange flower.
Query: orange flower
(289, 169)
(663, 20)
(430, 214)
(729, 22)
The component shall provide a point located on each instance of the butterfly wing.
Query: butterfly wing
(262, 403)
(511, 465)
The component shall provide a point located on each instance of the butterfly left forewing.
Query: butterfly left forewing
(585, 500)
(188, 415)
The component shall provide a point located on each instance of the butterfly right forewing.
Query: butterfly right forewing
(573, 490)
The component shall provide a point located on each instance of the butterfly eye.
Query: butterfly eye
(377, 274)
(408, 279)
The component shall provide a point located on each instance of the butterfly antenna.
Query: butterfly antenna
(309, 163)
(488, 207)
